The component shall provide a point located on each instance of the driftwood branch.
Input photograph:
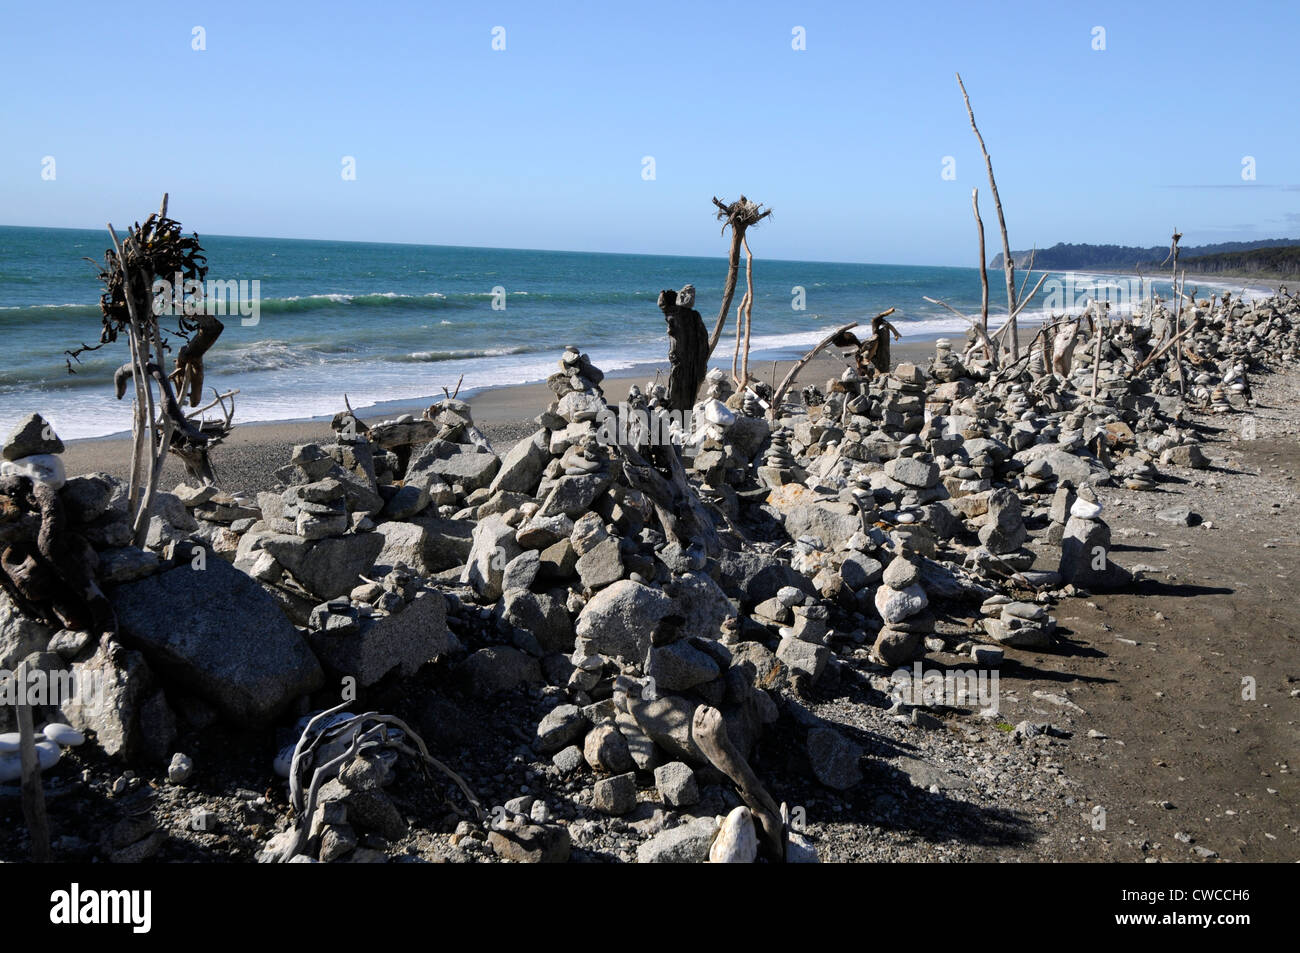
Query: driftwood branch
(984, 270)
(710, 734)
(38, 824)
(739, 216)
(779, 395)
(1008, 263)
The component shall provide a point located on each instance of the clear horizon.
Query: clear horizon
(542, 145)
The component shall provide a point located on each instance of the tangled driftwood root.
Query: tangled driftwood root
(370, 729)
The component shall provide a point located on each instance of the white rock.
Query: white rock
(1085, 509)
(39, 467)
(716, 412)
(895, 605)
(62, 734)
(736, 841)
(48, 753)
(11, 767)
(9, 741)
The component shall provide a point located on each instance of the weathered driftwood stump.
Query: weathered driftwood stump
(688, 346)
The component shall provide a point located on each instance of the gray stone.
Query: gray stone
(327, 568)
(1004, 532)
(620, 620)
(403, 642)
(498, 668)
(521, 467)
(543, 531)
(834, 758)
(601, 565)
(901, 573)
(686, 843)
(605, 750)
(125, 563)
(527, 843)
(409, 500)
(122, 683)
(910, 471)
(574, 495)
(561, 726)
(803, 657)
(897, 646)
(1085, 556)
(676, 784)
(217, 633)
(454, 463)
(545, 617)
(87, 498)
(494, 546)
(895, 605)
(859, 571)
(20, 636)
(616, 795)
(33, 436)
(568, 760)
(702, 605)
(680, 666)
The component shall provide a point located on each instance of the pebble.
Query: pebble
(63, 734)
(180, 769)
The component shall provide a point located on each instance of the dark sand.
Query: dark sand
(250, 455)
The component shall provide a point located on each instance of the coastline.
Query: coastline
(248, 457)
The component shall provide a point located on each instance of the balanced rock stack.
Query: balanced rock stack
(779, 464)
(1018, 624)
(1085, 548)
(315, 538)
(716, 460)
(902, 401)
(50, 740)
(902, 603)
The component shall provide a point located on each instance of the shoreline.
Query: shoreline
(506, 414)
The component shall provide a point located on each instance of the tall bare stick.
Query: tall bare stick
(33, 795)
(984, 270)
(738, 216)
(1008, 264)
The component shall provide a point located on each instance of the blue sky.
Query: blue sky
(541, 145)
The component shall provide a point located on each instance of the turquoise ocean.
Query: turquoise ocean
(388, 323)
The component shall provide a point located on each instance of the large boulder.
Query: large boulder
(217, 633)
(327, 568)
(493, 547)
(454, 463)
(404, 641)
(621, 619)
(427, 546)
(521, 467)
(117, 697)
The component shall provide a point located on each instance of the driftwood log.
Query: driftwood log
(688, 346)
(710, 733)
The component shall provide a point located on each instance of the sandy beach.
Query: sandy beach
(248, 458)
